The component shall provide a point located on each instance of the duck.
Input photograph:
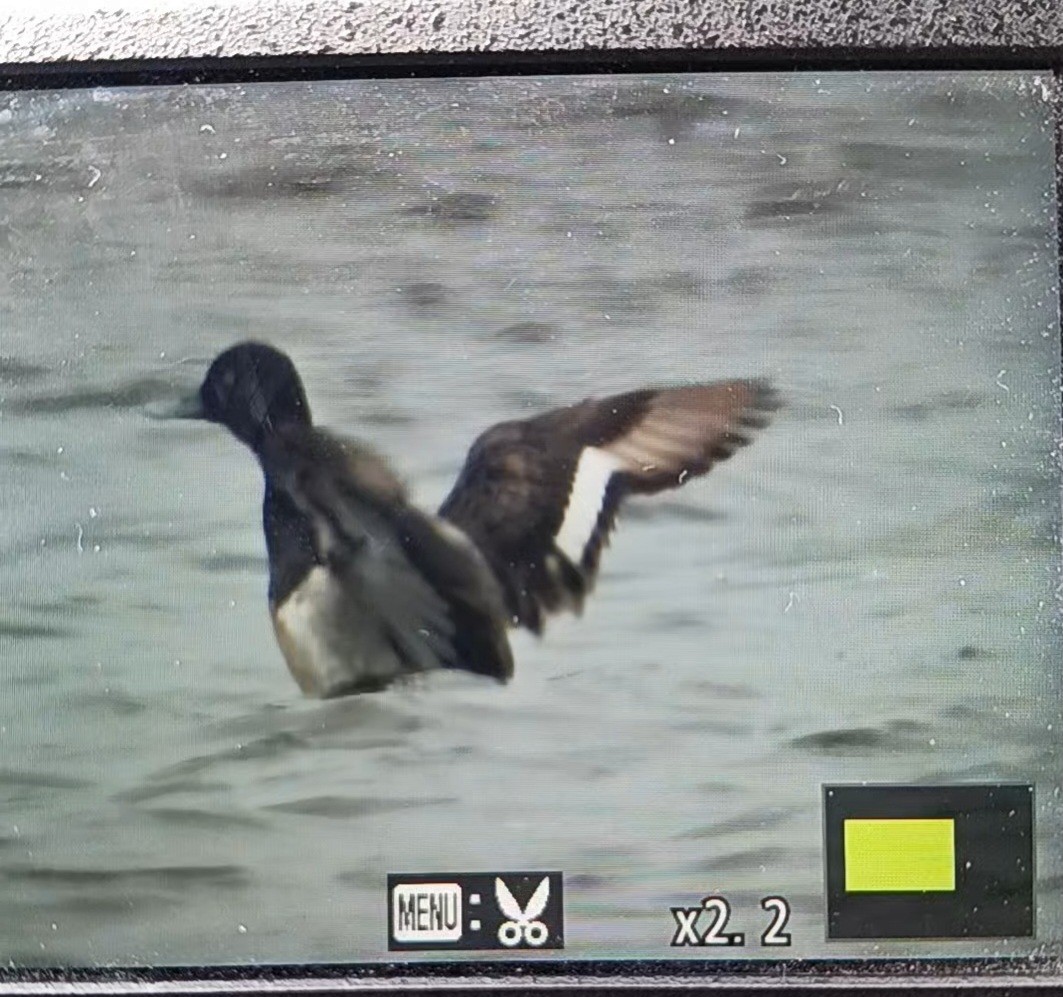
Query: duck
(365, 588)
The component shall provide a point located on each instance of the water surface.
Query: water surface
(866, 593)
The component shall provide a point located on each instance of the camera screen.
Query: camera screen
(560, 517)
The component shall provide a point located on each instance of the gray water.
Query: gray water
(866, 593)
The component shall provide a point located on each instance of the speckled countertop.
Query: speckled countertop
(182, 28)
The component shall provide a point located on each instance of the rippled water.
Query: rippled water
(867, 593)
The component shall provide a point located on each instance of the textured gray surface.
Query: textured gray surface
(182, 29)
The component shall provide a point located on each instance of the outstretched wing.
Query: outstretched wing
(539, 497)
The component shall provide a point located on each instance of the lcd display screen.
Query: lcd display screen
(573, 517)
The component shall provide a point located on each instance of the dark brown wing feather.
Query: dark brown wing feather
(513, 493)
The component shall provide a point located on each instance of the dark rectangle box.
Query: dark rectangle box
(994, 863)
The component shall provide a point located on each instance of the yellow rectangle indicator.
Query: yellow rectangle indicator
(900, 856)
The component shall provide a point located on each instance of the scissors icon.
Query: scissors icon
(523, 925)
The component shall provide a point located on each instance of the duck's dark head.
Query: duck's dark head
(253, 390)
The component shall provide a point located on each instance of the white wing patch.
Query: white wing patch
(585, 499)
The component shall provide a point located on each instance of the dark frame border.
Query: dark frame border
(518, 62)
(903, 51)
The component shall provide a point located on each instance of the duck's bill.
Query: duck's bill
(188, 407)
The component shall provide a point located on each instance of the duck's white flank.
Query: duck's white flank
(325, 655)
(298, 624)
(585, 498)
